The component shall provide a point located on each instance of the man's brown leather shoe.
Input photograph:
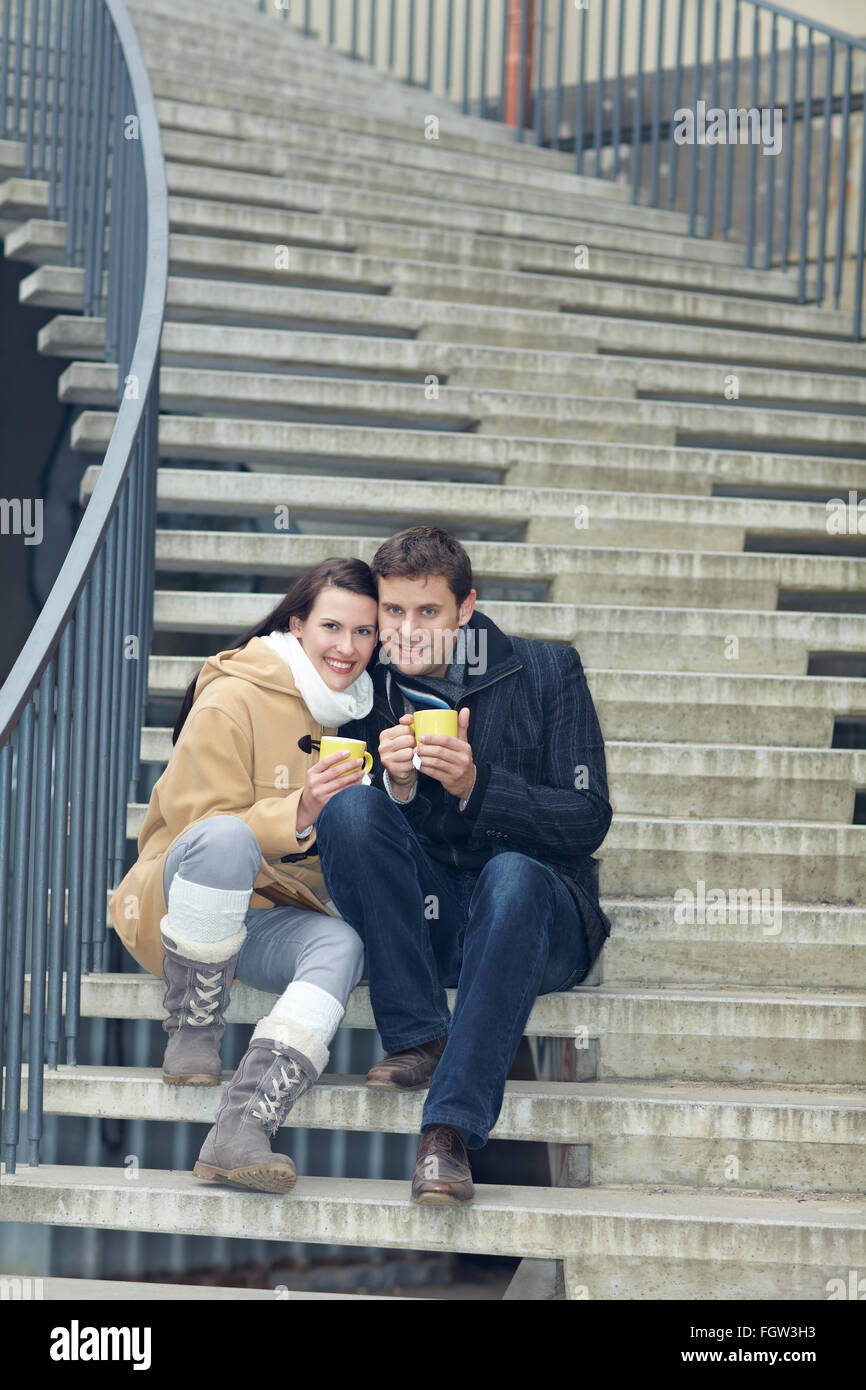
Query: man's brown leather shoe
(442, 1177)
(404, 1071)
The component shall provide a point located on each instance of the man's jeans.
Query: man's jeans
(502, 935)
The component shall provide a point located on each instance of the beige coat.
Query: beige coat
(237, 755)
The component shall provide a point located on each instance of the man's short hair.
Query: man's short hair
(425, 550)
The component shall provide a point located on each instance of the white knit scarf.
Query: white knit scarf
(330, 708)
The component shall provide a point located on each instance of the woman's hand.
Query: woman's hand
(396, 748)
(323, 780)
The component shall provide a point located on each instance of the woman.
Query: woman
(230, 831)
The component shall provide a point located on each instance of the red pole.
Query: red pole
(512, 62)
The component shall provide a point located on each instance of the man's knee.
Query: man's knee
(352, 813)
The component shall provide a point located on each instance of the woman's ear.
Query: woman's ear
(295, 626)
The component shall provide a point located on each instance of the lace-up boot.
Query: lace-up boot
(269, 1080)
(196, 997)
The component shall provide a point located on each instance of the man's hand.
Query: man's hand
(323, 780)
(396, 747)
(449, 760)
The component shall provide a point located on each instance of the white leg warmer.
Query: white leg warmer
(304, 1017)
(206, 924)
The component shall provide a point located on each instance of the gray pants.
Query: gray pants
(282, 943)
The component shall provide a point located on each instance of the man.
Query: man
(468, 862)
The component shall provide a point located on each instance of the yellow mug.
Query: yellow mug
(435, 721)
(355, 747)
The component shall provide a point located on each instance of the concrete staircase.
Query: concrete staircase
(638, 455)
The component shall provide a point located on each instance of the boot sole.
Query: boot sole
(196, 1079)
(395, 1086)
(261, 1177)
(442, 1199)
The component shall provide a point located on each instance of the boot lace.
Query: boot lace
(281, 1082)
(208, 989)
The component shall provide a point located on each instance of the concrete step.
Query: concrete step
(211, 217)
(461, 365)
(615, 636)
(741, 1245)
(680, 1134)
(276, 396)
(770, 1035)
(408, 167)
(537, 515)
(438, 320)
(695, 779)
(659, 942)
(426, 296)
(633, 465)
(44, 243)
(651, 854)
(56, 1289)
(778, 711)
(682, 579)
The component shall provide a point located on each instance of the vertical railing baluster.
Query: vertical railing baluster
(17, 88)
(557, 95)
(580, 97)
(482, 67)
(770, 183)
(714, 102)
(18, 936)
(6, 817)
(807, 160)
(789, 148)
(675, 104)
(55, 162)
(524, 53)
(32, 75)
(825, 173)
(601, 86)
(371, 33)
(410, 46)
(657, 109)
(753, 153)
(5, 33)
(38, 907)
(698, 75)
(59, 823)
(449, 45)
(92, 761)
(841, 202)
(467, 51)
(77, 842)
(353, 51)
(637, 116)
(539, 82)
(732, 106)
(503, 61)
(431, 15)
(392, 34)
(861, 236)
(44, 64)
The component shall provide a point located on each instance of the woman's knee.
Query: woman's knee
(332, 958)
(219, 852)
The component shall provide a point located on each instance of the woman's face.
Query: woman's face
(339, 635)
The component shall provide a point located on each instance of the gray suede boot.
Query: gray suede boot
(270, 1078)
(196, 998)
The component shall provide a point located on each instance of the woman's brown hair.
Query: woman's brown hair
(354, 575)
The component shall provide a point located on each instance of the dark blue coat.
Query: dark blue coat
(541, 779)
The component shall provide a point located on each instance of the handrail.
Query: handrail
(617, 108)
(71, 708)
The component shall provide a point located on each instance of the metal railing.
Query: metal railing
(75, 91)
(619, 84)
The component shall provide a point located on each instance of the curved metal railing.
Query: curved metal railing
(619, 84)
(75, 94)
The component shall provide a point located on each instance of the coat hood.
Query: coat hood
(256, 662)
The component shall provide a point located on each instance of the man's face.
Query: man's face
(418, 623)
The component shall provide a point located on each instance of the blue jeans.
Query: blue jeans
(503, 935)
